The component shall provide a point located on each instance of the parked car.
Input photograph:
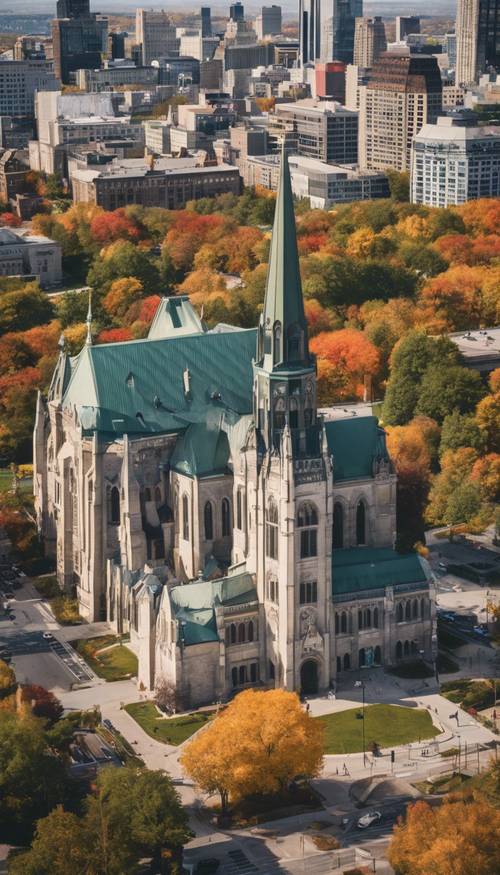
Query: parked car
(48, 636)
(368, 819)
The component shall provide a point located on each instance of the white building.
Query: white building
(156, 34)
(193, 496)
(453, 161)
(329, 184)
(30, 255)
(19, 83)
(157, 136)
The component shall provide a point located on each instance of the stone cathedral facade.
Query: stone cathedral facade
(193, 497)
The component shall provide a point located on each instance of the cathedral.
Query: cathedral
(194, 497)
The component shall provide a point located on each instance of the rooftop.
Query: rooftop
(135, 167)
(476, 344)
(363, 568)
(314, 105)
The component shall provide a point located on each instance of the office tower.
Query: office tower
(19, 81)
(450, 45)
(403, 93)
(268, 23)
(406, 24)
(72, 8)
(478, 39)
(206, 21)
(330, 80)
(116, 45)
(326, 29)
(320, 129)
(79, 43)
(156, 34)
(237, 11)
(454, 161)
(369, 40)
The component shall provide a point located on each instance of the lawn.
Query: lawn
(114, 664)
(23, 485)
(388, 725)
(171, 730)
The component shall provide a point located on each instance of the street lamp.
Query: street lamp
(362, 685)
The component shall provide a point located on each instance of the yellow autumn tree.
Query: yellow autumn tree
(257, 745)
(122, 294)
(460, 837)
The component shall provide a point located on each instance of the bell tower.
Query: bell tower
(284, 371)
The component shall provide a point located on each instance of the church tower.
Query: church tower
(285, 373)
(292, 477)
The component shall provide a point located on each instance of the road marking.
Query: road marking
(403, 774)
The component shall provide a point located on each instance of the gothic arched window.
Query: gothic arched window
(250, 631)
(294, 413)
(343, 623)
(307, 521)
(400, 612)
(279, 413)
(347, 662)
(241, 634)
(277, 342)
(239, 508)
(338, 525)
(377, 655)
(114, 506)
(375, 617)
(361, 523)
(399, 650)
(294, 342)
(208, 521)
(185, 518)
(226, 517)
(272, 530)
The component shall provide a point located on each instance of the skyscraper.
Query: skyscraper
(326, 29)
(268, 22)
(79, 38)
(406, 24)
(403, 93)
(478, 39)
(237, 11)
(206, 21)
(369, 40)
(156, 34)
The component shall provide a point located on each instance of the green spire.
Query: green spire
(283, 305)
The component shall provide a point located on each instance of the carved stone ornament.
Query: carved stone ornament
(312, 638)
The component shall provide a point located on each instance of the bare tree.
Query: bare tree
(166, 696)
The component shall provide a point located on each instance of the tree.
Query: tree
(460, 298)
(456, 469)
(72, 307)
(43, 702)
(7, 679)
(123, 259)
(409, 361)
(18, 393)
(486, 474)
(399, 185)
(488, 420)
(23, 309)
(459, 837)
(132, 814)
(460, 430)
(32, 780)
(447, 388)
(351, 353)
(411, 448)
(257, 745)
(121, 296)
(166, 696)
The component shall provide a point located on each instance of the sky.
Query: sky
(386, 7)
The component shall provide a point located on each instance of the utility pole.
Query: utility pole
(362, 685)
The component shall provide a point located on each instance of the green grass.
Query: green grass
(116, 664)
(388, 725)
(24, 485)
(170, 730)
(65, 610)
(470, 694)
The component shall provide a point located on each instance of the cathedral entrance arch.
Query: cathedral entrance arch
(309, 680)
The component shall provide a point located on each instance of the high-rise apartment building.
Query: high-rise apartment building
(268, 23)
(326, 29)
(79, 39)
(478, 39)
(369, 40)
(406, 24)
(206, 21)
(403, 93)
(156, 34)
(450, 45)
(454, 161)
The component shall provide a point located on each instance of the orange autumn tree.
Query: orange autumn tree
(122, 294)
(458, 838)
(257, 745)
(462, 297)
(352, 355)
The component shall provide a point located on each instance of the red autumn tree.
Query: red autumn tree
(43, 702)
(351, 353)
(318, 317)
(115, 335)
(107, 227)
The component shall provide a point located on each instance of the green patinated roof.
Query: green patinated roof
(355, 444)
(111, 384)
(283, 301)
(202, 450)
(361, 568)
(193, 604)
(175, 317)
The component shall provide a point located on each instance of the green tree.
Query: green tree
(399, 185)
(32, 780)
(464, 503)
(62, 846)
(460, 430)
(445, 221)
(123, 259)
(23, 309)
(445, 389)
(409, 362)
(72, 307)
(422, 259)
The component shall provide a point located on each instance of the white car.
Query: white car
(48, 636)
(368, 819)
